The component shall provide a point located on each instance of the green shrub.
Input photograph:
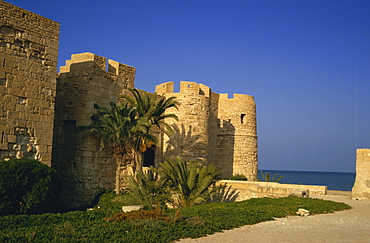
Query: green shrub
(190, 182)
(26, 186)
(239, 177)
(111, 203)
(148, 188)
(156, 214)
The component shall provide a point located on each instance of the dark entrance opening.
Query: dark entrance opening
(149, 155)
(69, 140)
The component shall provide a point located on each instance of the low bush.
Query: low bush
(239, 177)
(26, 186)
(112, 203)
(155, 214)
(147, 188)
(190, 182)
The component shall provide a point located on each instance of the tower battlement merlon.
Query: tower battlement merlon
(165, 88)
(237, 97)
(118, 68)
(86, 57)
(124, 73)
(188, 87)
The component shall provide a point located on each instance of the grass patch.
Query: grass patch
(194, 222)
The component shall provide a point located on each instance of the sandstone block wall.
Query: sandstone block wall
(258, 189)
(237, 136)
(192, 133)
(86, 168)
(214, 128)
(361, 188)
(28, 60)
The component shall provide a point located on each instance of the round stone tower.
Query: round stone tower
(191, 139)
(212, 127)
(237, 136)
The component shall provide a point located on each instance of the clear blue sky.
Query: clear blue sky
(307, 63)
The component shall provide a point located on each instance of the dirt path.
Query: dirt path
(344, 226)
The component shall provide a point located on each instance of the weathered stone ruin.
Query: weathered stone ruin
(28, 62)
(361, 188)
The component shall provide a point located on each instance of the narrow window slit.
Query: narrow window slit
(242, 118)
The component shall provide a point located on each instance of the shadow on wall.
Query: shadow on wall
(184, 144)
(85, 168)
(225, 148)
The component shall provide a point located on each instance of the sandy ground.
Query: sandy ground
(343, 226)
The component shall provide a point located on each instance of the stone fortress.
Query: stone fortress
(40, 111)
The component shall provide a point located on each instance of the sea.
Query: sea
(341, 181)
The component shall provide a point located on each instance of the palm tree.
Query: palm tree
(121, 130)
(148, 188)
(190, 182)
(153, 107)
(125, 127)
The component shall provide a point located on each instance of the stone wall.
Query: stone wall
(86, 168)
(237, 136)
(259, 189)
(192, 132)
(214, 128)
(28, 60)
(361, 188)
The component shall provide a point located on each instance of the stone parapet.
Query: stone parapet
(255, 189)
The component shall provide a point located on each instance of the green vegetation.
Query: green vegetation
(148, 188)
(267, 177)
(189, 182)
(26, 186)
(125, 127)
(104, 224)
(177, 183)
(239, 177)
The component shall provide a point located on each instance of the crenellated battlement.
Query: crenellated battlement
(89, 60)
(186, 87)
(193, 88)
(237, 98)
(165, 88)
